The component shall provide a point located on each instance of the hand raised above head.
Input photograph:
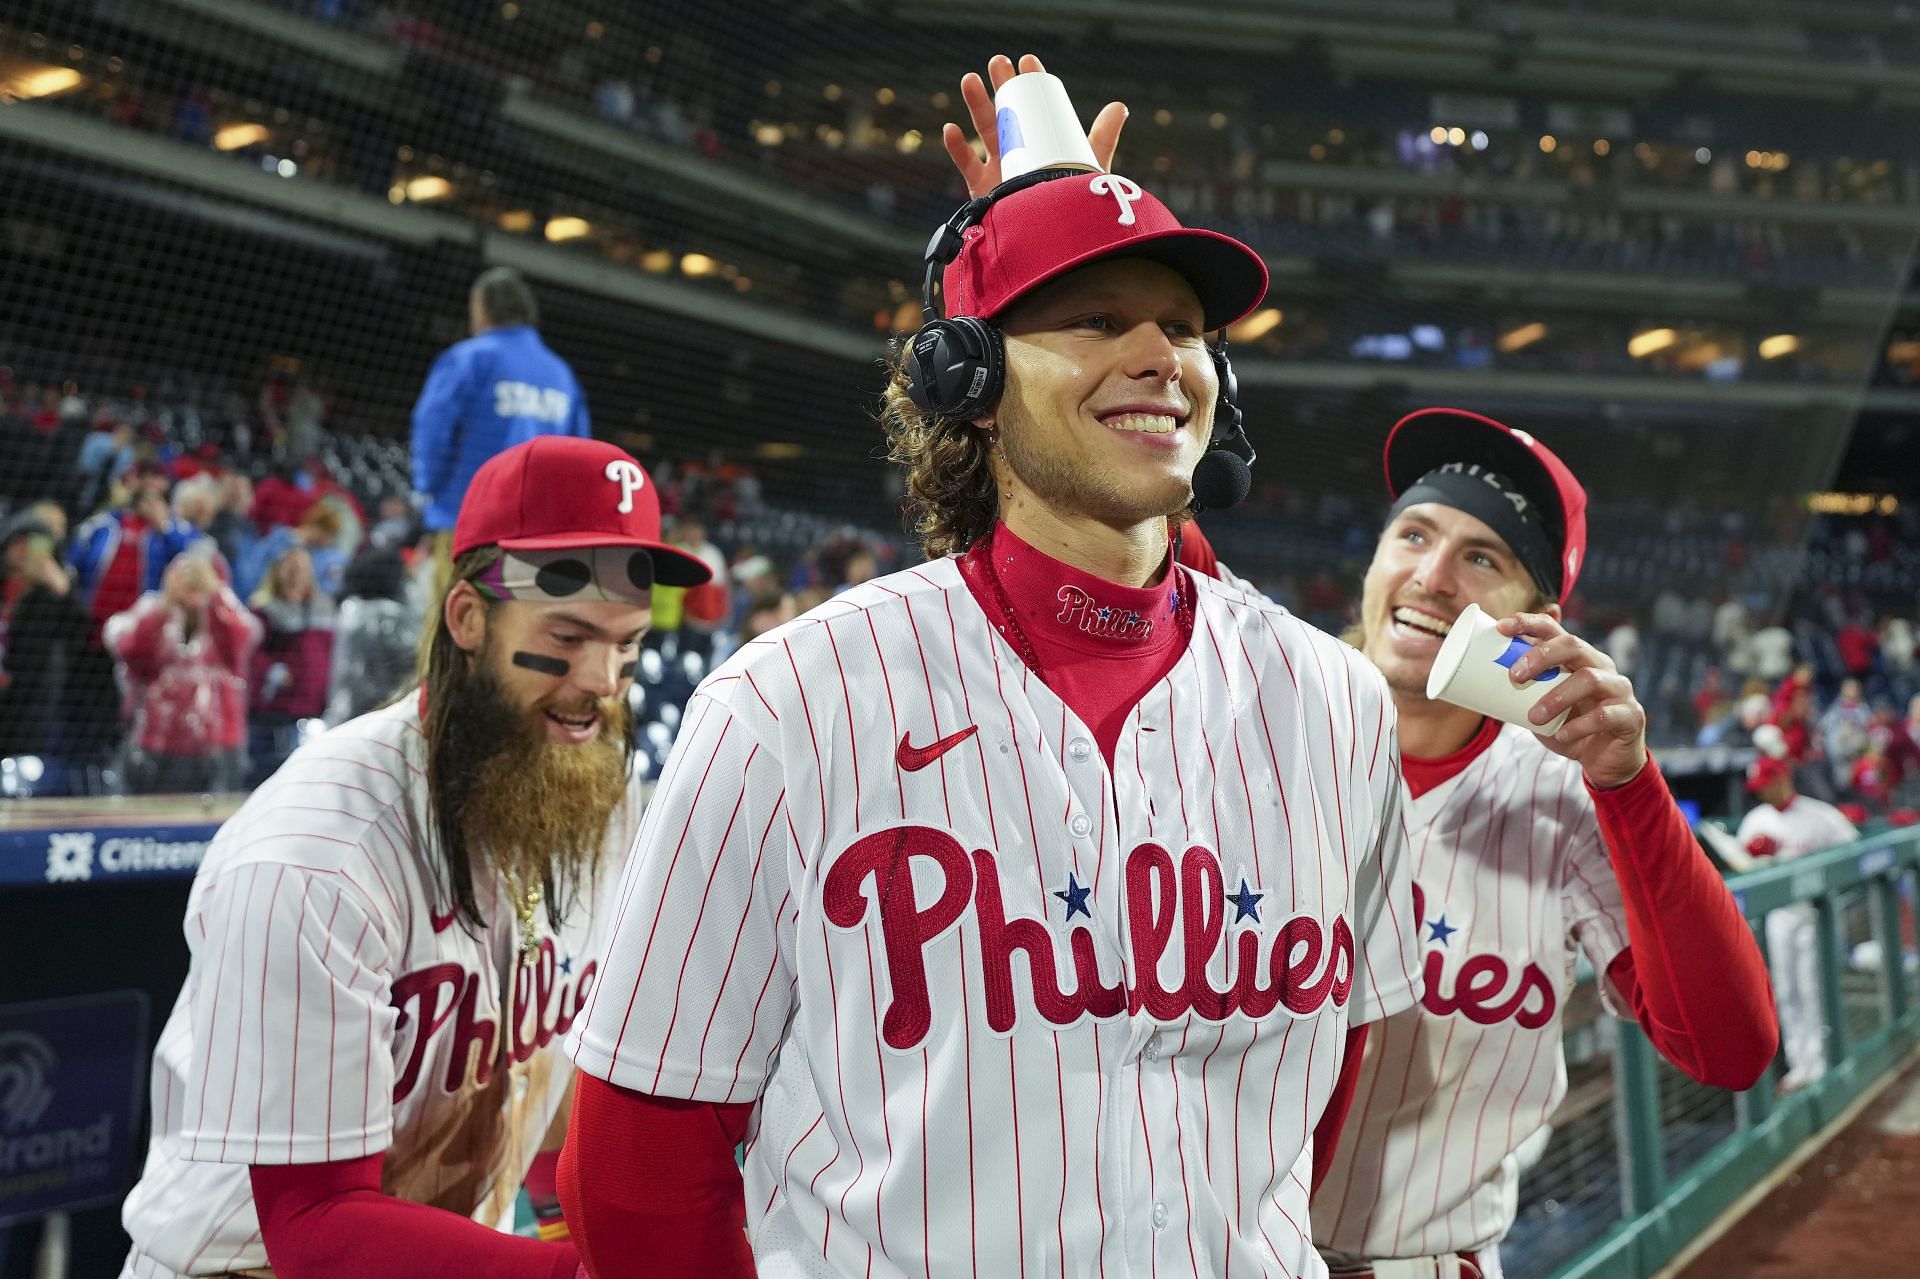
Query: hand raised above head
(983, 176)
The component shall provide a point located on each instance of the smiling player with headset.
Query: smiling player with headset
(1019, 903)
(1527, 849)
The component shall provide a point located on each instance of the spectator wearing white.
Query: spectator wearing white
(1772, 653)
(1896, 646)
(1782, 826)
(1731, 633)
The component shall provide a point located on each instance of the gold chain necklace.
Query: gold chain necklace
(525, 904)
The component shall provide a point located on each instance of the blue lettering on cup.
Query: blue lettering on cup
(1011, 139)
(1517, 649)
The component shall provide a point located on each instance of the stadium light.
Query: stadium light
(1438, 135)
(698, 264)
(1650, 342)
(41, 82)
(516, 220)
(1778, 345)
(658, 261)
(236, 136)
(1548, 143)
(559, 229)
(1457, 136)
(1521, 338)
(1257, 325)
(431, 187)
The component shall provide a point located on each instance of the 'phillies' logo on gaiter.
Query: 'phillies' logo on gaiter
(1077, 608)
(1299, 964)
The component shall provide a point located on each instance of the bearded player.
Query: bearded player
(1018, 905)
(387, 937)
(1527, 848)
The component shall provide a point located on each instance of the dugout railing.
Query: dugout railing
(1641, 1176)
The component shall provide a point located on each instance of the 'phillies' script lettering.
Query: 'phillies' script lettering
(1483, 988)
(541, 1008)
(1077, 608)
(1300, 964)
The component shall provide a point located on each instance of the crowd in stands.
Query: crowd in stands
(1219, 174)
(179, 615)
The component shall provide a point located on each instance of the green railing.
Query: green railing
(1684, 1154)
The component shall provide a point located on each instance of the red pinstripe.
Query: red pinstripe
(846, 700)
(653, 931)
(893, 715)
(243, 1201)
(819, 769)
(693, 934)
(886, 1125)
(840, 1083)
(733, 953)
(1180, 1145)
(753, 1018)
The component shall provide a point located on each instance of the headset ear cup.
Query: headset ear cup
(955, 368)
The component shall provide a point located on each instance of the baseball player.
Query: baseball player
(1014, 908)
(389, 934)
(1527, 850)
(1783, 825)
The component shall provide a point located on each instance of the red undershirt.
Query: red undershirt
(1098, 646)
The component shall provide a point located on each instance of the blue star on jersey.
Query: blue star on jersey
(1439, 930)
(1246, 903)
(1075, 896)
(566, 965)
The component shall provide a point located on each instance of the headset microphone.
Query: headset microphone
(1224, 474)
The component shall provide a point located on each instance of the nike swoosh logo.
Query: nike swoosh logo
(913, 758)
(442, 922)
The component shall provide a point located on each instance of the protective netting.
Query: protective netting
(238, 234)
(235, 236)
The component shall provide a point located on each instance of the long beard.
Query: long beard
(527, 805)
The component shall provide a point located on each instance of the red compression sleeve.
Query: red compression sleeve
(1682, 928)
(1326, 1133)
(321, 1220)
(650, 1186)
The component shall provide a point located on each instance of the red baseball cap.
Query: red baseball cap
(1429, 438)
(1052, 227)
(1765, 771)
(555, 492)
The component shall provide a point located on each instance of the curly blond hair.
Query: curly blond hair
(952, 499)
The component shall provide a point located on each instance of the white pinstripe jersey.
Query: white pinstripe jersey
(332, 1011)
(1804, 826)
(1009, 1012)
(1511, 875)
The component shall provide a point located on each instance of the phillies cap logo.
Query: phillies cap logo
(629, 477)
(1123, 190)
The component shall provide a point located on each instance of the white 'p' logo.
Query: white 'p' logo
(1123, 190)
(629, 477)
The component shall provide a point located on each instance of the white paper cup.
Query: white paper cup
(1473, 669)
(1038, 127)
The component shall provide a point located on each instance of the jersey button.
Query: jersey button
(1151, 1049)
(1080, 825)
(1159, 1216)
(1080, 750)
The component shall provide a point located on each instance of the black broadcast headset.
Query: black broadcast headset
(956, 367)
